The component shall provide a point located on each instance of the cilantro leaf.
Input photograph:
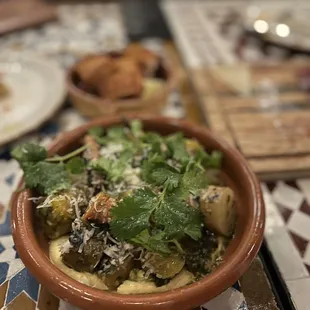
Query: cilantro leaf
(76, 165)
(176, 145)
(192, 182)
(153, 243)
(178, 218)
(154, 140)
(132, 214)
(48, 178)
(136, 128)
(213, 160)
(126, 155)
(160, 173)
(116, 133)
(113, 169)
(29, 152)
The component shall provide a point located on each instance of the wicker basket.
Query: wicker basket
(92, 106)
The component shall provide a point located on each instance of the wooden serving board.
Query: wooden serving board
(264, 110)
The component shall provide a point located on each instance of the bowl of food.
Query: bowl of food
(140, 212)
(133, 80)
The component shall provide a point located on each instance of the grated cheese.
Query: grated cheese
(65, 248)
(132, 176)
(110, 150)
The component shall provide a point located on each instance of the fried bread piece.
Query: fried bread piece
(93, 68)
(125, 81)
(147, 60)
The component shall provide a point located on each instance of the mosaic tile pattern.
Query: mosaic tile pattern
(292, 201)
(209, 33)
(288, 204)
(80, 29)
(18, 286)
(90, 28)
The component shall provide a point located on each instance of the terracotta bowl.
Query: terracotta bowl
(32, 248)
(93, 106)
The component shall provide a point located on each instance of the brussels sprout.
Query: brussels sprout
(85, 257)
(92, 280)
(58, 211)
(199, 253)
(121, 273)
(164, 267)
(57, 217)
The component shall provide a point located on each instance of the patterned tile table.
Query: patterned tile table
(100, 27)
(80, 29)
(17, 286)
(206, 36)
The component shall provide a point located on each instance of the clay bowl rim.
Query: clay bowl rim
(81, 295)
(169, 84)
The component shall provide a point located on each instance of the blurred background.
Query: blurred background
(241, 68)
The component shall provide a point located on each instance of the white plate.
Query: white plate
(37, 90)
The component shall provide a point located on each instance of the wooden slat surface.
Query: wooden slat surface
(189, 97)
(270, 125)
(287, 99)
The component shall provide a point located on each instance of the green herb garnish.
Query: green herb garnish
(157, 216)
(47, 175)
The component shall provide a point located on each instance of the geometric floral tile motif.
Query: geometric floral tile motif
(292, 183)
(271, 186)
(300, 243)
(22, 282)
(7, 241)
(4, 267)
(285, 212)
(297, 214)
(23, 288)
(21, 302)
(305, 207)
(287, 196)
(304, 185)
(3, 290)
(273, 217)
(299, 223)
(7, 254)
(5, 193)
(15, 267)
(5, 226)
(306, 256)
